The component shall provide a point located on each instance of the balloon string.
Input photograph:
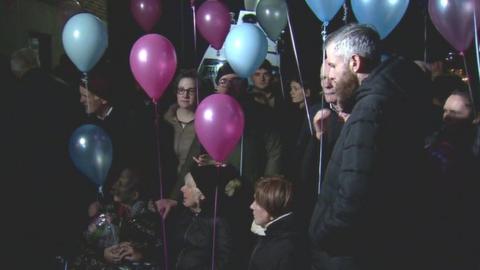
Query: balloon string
(182, 27)
(324, 58)
(425, 35)
(345, 13)
(469, 84)
(324, 38)
(307, 110)
(100, 194)
(214, 234)
(195, 49)
(157, 133)
(241, 157)
(85, 82)
(320, 157)
(476, 46)
(282, 87)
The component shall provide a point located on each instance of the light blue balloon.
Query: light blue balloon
(384, 15)
(91, 151)
(85, 39)
(245, 49)
(325, 10)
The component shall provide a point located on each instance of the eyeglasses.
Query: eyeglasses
(183, 91)
(226, 81)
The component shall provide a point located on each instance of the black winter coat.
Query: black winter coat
(366, 213)
(191, 242)
(282, 248)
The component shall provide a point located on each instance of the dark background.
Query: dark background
(414, 37)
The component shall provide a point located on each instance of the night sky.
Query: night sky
(407, 39)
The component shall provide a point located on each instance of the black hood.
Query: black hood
(396, 77)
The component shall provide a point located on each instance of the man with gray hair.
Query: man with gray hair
(365, 215)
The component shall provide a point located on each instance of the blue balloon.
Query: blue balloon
(383, 15)
(91, 151)
(85, 39)
(245, 49)
(325, 10)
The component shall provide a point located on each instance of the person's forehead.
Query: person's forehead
(262, 71)
(83, 89)
(456, 102)
(229, 76)
(186, 80)
(295, 83)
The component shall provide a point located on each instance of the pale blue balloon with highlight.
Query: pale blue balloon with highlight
(245, 49)
(384, 15)
(325, 10)
(91, 151)
(85, 39)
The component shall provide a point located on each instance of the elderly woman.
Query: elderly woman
(191, 225)
(279, 245)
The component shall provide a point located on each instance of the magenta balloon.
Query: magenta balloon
(153, 62)
(213, 22)
(146, 13)
(219, 123)
(454, 20)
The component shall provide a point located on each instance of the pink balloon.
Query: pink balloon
(153, 62)
(213, 22)
(454, 20)
(219, 123)
(146, 13)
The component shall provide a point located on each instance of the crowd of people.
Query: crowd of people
(375, 170)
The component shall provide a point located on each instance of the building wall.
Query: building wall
(20, 18)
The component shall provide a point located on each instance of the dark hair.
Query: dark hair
(274, 194)
(307, 84)
(266, 65)
(126, 191)
(207, 179)
(444, 85)
(185, 73)
(191, 73)
(222, 71)
(99, 82)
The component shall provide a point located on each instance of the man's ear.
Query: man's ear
(356, 64)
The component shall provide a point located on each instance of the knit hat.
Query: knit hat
(100, 85)
(224, 70)
(207, 178)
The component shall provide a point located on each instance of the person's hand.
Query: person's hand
(94, 208)
(129, 253)
(164, 206)
(112, 254)
(344, 116)
(320, 122)
(205, 159)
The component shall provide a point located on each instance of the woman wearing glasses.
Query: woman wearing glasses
(180, 118)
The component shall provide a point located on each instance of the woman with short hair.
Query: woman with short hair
(279, 245)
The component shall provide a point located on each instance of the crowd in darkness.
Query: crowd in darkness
(394, 144)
